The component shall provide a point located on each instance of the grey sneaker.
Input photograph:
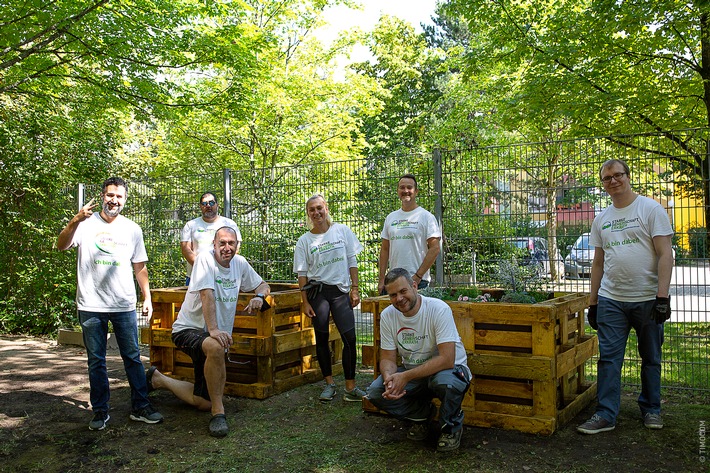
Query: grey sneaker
(328, 393)
(355, 395)
(148, 415)
(99, 421)
(652, 421)
(448, 442)
(595, 425)
(418, 431)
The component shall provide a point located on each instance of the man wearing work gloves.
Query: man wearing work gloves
(631, 275)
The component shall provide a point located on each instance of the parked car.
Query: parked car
(578, 263)
(536, 253)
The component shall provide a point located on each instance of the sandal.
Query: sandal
(149, 378)
(218, 426)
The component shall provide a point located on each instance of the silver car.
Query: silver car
(578, 263)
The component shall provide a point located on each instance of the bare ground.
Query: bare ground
(44, 413)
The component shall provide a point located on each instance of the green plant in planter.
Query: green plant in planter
(449, 294)
(522, 284)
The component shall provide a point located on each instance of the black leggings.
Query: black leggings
(329, 301)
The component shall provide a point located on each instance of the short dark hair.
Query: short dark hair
(409, 176)
(114, 181)
(610, 162)
(397, 273)
(225, 227)
(208, 193)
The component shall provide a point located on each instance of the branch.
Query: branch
(58, 30)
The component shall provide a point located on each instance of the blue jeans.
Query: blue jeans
(415, 405)
(615, 321)
(94, 327)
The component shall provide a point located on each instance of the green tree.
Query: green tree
(71, 74)
(624, 67)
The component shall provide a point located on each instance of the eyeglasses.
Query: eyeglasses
(211, 203)
(616, 176)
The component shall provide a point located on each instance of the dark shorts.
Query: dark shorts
(190, 341)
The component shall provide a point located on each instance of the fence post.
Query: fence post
(439, 213)
(80, 196)
(227, 178)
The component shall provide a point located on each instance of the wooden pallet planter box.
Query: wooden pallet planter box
(527, 361)
(273, 351)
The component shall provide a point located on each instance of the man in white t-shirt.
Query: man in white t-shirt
(630, 284)
(203, 328)
(198, 234)
(410, 237)
(422, 330)
(110, 251)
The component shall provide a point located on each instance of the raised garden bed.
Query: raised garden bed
(273, 351)
(527, 360)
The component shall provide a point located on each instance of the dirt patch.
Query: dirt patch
(44, 413)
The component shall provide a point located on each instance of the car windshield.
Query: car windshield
(522, 244)
(583, 243)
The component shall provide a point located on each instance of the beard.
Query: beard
(112, 211)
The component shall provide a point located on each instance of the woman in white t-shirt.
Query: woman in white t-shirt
(326, 264)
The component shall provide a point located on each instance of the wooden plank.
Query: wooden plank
(252, 390)
(161, 338)
(580, 402)
(498, 387)
(545, 398)
(284, 342)
(368, 355)
(502, 338)
(251, 345)
(538, 368)
(503, 408)
(543, 340)
(576, 355)
(532, 425)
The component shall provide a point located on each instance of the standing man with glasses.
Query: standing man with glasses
(630, 283)
(110, 251)
(197, 234)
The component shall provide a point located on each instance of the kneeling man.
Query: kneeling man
(203, 328)
(422, 330)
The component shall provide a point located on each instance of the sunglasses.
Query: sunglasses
(211, 203)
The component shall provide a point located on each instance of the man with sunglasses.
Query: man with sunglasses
(630, 283)
(197, 234)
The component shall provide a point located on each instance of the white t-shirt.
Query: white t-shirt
(106, 253)
(226, 283)
(324, 256)
(201, 234)
(416, 337)
(630, 260)
(408, 233)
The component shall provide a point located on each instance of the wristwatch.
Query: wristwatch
(261, 296)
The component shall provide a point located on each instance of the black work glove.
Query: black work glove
(661, 310)
(592, 316)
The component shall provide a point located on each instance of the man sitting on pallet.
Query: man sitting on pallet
(422, 330)
(203, 328)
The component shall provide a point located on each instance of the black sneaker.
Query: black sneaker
(418, 431)
(99, 421)
(148, 415)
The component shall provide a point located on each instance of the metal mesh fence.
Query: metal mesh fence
(533, 202)
(551, 191)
